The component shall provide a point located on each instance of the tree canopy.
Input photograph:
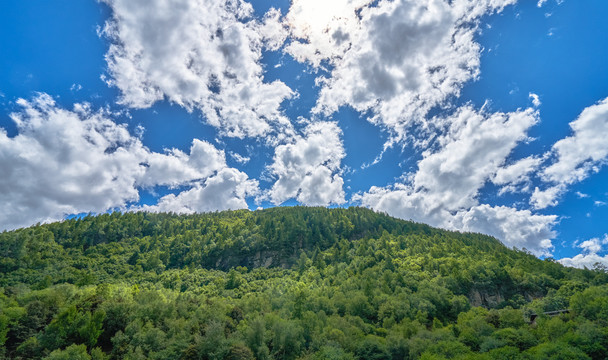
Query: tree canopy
(287, 283)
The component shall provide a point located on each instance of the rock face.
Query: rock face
(493, 298)
(264, 258)
(485, 298)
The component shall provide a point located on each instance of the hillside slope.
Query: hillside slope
(286, 283)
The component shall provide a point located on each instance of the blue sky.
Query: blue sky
(471, 115)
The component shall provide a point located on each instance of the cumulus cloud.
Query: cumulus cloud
(211, 184)
(239, 158)
(473, 149)
(589, 261)
(396, 58)
(228, 189)
(72, 161)
(593, 245)
(321, 35)
(174, 168)
(541, 199)
(589, 257)
(308, 168)
(581, 153)
(535, 99)
(518, 228)
(517, 173)
(64, 162)
(515, 228)
(202, 54)
(443, 191)
(576, 156)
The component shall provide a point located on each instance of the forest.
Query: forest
(288, 283)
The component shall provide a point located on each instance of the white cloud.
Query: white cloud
(541, 3)
(541, 199)
(535, 99)
(589, 257)
(518, 228)
(228, 189)
(474, 149)
(326, 34)
(592, 246)
(576, 156)
(202, 54)
(308, 169)
(63, 162)
(443, 191)
(515, 174)
(239, 158)
(579, 154)
(396, 58)
(175, 168)
(588, 261)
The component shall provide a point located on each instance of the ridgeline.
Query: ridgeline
(287, 283)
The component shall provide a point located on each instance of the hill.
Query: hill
(287, 283)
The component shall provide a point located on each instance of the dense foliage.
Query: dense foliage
(287, 283)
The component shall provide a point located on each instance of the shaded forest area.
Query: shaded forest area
(287, 283)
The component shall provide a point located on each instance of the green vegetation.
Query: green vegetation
(287, 283)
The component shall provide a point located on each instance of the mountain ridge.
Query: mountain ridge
(339, 268)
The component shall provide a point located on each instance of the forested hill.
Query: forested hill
(287, 283)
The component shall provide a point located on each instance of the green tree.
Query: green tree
(72, 352)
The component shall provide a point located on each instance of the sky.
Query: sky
(485, 116)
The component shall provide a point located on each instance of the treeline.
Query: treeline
(287, 283)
